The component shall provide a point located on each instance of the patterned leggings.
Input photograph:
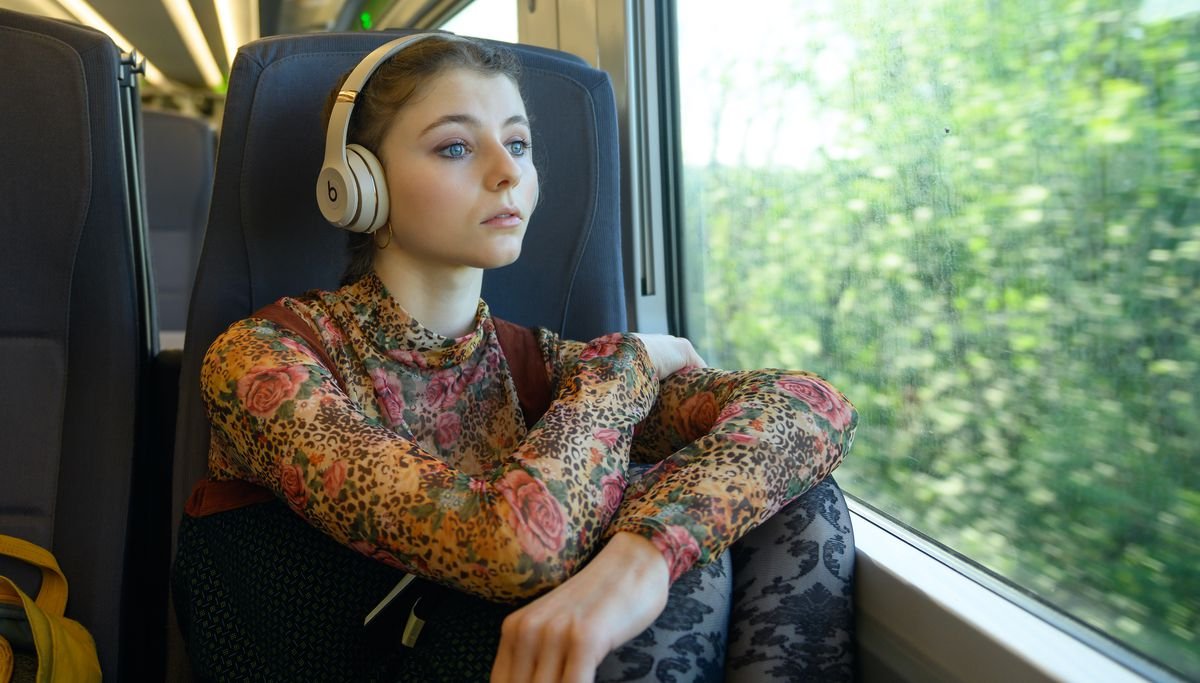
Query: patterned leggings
(777, 606)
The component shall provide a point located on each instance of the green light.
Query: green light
(365, 20)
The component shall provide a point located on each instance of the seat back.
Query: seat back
(180, 153)
(266, 237)
(73, 324)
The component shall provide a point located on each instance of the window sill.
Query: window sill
(920, 619)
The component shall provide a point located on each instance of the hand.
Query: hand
(670, 354)
(564, 634)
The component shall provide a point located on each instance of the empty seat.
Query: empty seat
(75, 328)
(180, 152)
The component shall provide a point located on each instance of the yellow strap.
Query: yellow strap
(6, 660)
(52, 597)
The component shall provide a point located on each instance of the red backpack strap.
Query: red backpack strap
(210, 496)
(520, 347)
(287, 319)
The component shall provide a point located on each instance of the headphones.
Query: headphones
(351, 190)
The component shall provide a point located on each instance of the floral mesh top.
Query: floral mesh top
(424, 462)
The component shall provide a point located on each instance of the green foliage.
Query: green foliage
(1003, 274)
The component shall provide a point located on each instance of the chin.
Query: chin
(499, 261)
(500, 257)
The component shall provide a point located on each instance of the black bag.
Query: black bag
(260, 594)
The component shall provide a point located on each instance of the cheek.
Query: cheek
(532, 188)
(420, 192)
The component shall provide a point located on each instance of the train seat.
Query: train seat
(74, 334)
(180, 153)
(265, 231)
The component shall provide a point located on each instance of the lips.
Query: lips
(506, 218)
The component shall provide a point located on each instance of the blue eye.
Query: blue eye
(454, 150)
(518, 148)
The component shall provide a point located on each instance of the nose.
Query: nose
(505, 171)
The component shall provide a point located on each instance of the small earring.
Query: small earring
(383, 246)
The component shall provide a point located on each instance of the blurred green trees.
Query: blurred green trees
(998, 261)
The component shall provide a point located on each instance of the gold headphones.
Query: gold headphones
(351, 190)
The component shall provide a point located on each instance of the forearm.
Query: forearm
(742, 445)
(511, 533)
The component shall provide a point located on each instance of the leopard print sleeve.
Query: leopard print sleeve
(730, 448)
(512, 533)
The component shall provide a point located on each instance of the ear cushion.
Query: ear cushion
(367, 174)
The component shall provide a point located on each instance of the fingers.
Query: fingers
(549, 649)
(669, 354)
(581, 661)
(518, 648)
(563, 635)
(533, 650)
(693, 357)
(503, 664)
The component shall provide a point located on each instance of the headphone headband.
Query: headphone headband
(350, 198)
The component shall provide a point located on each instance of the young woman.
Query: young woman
(412, 448)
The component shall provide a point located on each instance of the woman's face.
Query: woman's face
(460, 173)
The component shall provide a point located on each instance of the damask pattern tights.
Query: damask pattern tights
(777, 607)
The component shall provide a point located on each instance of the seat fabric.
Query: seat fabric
(180, 153)
(73, 327)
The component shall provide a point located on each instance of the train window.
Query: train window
(979, 220)
(495, 19)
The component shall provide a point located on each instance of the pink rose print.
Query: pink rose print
(822, 398)
(534, 513)
(613, 488)
(678, 547)
(728, 413)
(472, 376)
(291, 480)
(446, 429)
(411, 358)
(262, 390)
(607, 435)
(297, 347)
(335, 476)
(379, 554)
(601, 347)
(331, 331)
(441, 392)
(388, 393)
(742, 438)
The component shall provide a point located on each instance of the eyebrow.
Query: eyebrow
(471, 121)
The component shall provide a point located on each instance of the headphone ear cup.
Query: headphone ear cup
(367, 174)
(337, 195)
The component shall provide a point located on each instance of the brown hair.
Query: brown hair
(391, 87)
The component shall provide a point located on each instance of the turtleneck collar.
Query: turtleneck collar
(397, 334)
